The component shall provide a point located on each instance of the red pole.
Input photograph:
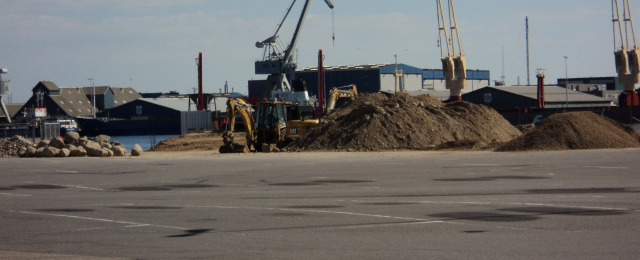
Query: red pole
(541, 90)
(320, 82)
(200, 95)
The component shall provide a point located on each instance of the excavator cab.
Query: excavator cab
(271, 121)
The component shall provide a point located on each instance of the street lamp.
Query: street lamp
(566, 80)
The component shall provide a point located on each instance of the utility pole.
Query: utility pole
(93, 98)
(566, 80)
(528, 71)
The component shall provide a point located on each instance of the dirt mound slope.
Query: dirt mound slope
(190, 142)
(575, 130)
(376, 122)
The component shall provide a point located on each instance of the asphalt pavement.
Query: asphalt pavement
(395, 205)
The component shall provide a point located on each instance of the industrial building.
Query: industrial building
(375, 78)
(525, 97)
(605, 87)
(73, 101)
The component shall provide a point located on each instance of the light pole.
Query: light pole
(566, 80)
(93, 99)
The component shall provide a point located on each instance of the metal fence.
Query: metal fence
(195, 121)
(49, 130)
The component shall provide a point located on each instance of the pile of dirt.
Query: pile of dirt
(575, 130)
(191, 142)
(377, 122)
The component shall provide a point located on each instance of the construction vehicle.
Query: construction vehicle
(349, 91)
(277, 62)
(453, 64)
(275, 124)
(627, 58)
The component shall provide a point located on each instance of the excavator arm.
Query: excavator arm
(341, 92)
(237, 107)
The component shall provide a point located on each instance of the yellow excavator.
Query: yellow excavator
(276, 124)
(349, 91)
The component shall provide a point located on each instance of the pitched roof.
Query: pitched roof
(13, 109)
(99, 90)
(48, 85)
(179, 104)
(123, 95)
(73, 101)
(552, 94)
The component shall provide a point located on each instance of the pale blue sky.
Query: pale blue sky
(151, 45)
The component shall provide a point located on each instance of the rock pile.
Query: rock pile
(575, 130)
(376, 122)
(71, 145)
(9, 146)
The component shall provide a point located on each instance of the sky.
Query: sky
(151, 45)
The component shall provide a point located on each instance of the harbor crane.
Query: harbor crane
(4, 89)
(277, 62)
(626, 55)
(453, 59)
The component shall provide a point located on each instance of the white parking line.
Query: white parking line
(129, 224)
(15, 195)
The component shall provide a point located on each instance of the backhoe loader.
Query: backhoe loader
(276, 123)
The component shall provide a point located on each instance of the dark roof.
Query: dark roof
(13, 109)
(73, 101)
(100, 90)
(48, 85)
(122, 96)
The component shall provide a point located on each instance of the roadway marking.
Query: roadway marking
(607, 167)
(129, 224)
(15, 195)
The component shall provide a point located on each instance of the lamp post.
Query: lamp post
(566, 80)
(93, 99)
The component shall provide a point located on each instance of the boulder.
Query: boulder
(56, 142)
(64, 152)
(70, 146)
(22, 151)
(106, 145)
(43, 143)
(93, 148)
(38, 152)
(136, 150)
(31, 151)
(102, 138)
(49, 151)
(106, 152)
(78, 152)
(118, 151)
(71, 137)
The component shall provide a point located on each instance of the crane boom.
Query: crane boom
(277, 64)
(453, 63)
(627, 57)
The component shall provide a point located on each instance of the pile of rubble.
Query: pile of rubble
(377, 122)
(9, 146)
(71, 145)
(573, 131)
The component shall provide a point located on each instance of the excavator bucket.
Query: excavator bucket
(234, 148)
(230, 146)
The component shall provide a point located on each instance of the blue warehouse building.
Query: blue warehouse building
(378, 77)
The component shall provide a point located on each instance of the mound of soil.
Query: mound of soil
(376, 122)
(190, 142)
(573, 131)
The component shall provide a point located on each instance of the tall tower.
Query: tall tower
(528, 71)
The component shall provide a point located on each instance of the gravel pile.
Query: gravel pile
(573, 131)
(9, 146)
(377, 122)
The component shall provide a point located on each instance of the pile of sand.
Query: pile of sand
(575, 130)
(376, 122)
(190, 142)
